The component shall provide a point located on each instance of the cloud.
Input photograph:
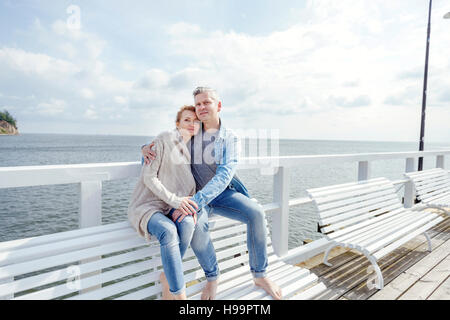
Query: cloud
(52, 108)
(153, 79)
(91, 113)
(182, 28)
(35, 64)
(87, 93)
(359, 101)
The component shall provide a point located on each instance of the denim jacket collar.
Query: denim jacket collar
(222, 130)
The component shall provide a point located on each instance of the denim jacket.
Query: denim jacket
(227, 149)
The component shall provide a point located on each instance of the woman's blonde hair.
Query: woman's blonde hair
(183, 108)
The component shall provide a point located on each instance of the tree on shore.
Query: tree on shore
(6, 116)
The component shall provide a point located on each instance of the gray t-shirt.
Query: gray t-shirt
(203, 165)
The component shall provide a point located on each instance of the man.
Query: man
(214, 158)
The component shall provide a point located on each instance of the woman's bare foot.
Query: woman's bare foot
(270, 287)
(166, 294)
(209, 291)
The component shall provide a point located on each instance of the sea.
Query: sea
(32, 211)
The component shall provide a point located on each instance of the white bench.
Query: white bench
(113, 262)
(432, 188)
(368, 216)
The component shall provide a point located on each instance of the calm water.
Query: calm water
(32, 211)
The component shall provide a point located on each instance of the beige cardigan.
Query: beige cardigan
(163, 183)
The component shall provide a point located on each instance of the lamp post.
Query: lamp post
(425, 78)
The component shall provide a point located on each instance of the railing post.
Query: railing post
(363, 170)
(90, 215)
(440, 161)
(90, 209)
(280, 221)
(410, 193)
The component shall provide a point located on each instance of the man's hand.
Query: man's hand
(178, 214)
(148, 154)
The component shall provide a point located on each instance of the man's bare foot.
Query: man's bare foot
(270, 287)
(209, 291)
(166, 294)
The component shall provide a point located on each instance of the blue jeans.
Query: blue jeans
(235, 205)
(174, 239)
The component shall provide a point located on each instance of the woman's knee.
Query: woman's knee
(186, 228)
(168, 235)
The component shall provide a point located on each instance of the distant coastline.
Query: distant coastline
(8, 125)
(8, 129)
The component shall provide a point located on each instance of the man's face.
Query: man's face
(206, 107)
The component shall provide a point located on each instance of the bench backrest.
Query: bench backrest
(343, 205)
(430, 183)
(108, 261)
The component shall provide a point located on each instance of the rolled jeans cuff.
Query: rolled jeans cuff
(261, 274)
(212, 277)
(178, 291)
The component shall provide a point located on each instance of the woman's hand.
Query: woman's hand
(177, 214)
(187, 206)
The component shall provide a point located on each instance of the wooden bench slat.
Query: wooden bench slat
(424, 173)
(244, 284)
(430, 197)
(429, 189)
(62, 274)
(423, 182)
(398, 227)
(339, 203)
(299, 285)
(409, 237)
(373, 229)
(19, 255)
(348, 231)
(68, 258)
(359, 218)
(375, 181)
(62, 236)
(409, 228)
(356, 191)
(298, 277)
(363, 207)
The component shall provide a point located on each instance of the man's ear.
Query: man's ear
(219, 106)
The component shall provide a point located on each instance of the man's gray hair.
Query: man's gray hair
(212, 93)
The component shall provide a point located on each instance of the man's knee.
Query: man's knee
(256, 213)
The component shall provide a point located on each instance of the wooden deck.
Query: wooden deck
(410, 272)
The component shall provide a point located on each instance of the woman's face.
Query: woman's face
(189, 122)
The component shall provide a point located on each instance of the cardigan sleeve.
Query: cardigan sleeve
(152, 181)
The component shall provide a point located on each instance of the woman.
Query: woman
(167, 184)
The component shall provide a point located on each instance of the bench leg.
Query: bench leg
(428, 240)
(327, 252)
(437, 207)
(380, 283)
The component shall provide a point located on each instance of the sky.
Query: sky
(325, 69)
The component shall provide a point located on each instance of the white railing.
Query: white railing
(90, 177)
